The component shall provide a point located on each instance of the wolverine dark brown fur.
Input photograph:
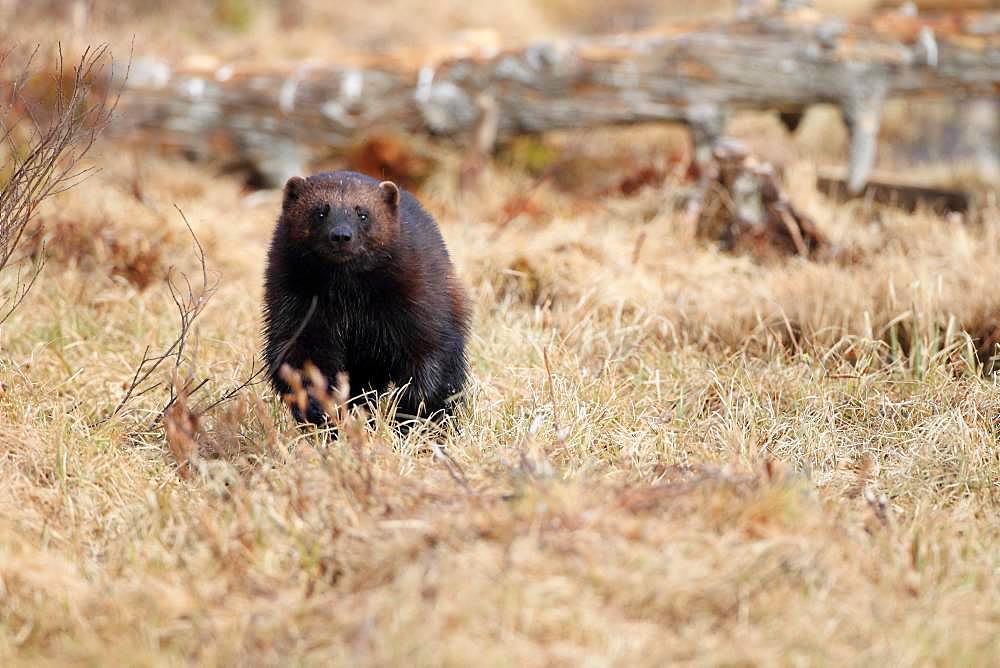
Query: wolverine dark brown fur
(359, 281)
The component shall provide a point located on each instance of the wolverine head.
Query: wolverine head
(342, 217)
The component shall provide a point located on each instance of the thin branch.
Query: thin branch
(53, 142)
(190, 303)
(256, 375)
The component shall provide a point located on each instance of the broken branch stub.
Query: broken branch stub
(747, 212)
(695, 73)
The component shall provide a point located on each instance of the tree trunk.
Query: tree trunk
(695, 73)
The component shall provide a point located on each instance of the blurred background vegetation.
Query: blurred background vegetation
(939, 136)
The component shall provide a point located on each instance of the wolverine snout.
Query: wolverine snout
(341, 234)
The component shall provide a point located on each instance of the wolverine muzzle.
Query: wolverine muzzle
(340, 235)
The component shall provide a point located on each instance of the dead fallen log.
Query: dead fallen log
(905, 196)
(939, 5)
(695, 73)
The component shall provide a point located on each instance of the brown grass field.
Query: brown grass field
(668, 454)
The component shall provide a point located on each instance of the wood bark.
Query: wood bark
(695, 73)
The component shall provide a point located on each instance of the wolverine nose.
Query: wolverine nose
(340, 234)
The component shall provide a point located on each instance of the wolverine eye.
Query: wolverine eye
(362, 214)
(323, 212)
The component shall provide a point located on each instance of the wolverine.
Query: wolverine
(359, 281)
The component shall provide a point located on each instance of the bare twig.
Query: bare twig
(44, 147)
(257, 374)
(190, 302)
(255, 377)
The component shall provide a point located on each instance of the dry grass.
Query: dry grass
(669, 454)
(727, 462)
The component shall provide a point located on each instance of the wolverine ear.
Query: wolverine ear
(293, 188)
(390, 193)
